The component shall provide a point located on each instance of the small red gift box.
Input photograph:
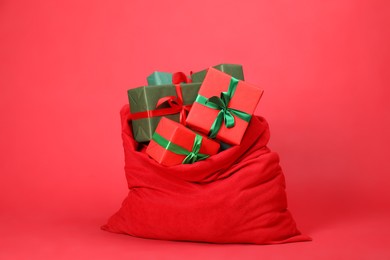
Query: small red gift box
(224, 107)
(174, 144)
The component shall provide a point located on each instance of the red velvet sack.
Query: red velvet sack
(236, 196)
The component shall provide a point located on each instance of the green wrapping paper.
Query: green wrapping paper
(159, 78)
(146, 98)
(233, 70)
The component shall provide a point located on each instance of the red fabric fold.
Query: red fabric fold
(236, 196)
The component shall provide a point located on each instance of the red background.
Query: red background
(65, 67)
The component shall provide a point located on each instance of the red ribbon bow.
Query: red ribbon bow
(175, 103)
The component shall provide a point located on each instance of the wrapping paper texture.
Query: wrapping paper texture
(179, 135)
(146, 98)
(159, 78)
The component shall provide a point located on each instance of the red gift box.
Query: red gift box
(223, 107)
(174, 144)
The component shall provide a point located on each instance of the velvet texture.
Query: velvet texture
(236, 196)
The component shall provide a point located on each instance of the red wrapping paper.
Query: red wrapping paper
(180, 135)
(245, 98)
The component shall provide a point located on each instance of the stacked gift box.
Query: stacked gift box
(188, 118)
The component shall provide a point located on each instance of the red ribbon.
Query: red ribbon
(175, 103)
(180, 77)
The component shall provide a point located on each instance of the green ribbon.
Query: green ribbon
(226, 114)
(191, 156)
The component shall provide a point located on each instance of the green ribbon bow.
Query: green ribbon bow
(191, 156)
(226, 114)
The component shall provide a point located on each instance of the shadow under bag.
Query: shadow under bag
(236, 196)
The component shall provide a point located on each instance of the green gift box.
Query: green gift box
(149, 103)
(234, 70)
(159, 78)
